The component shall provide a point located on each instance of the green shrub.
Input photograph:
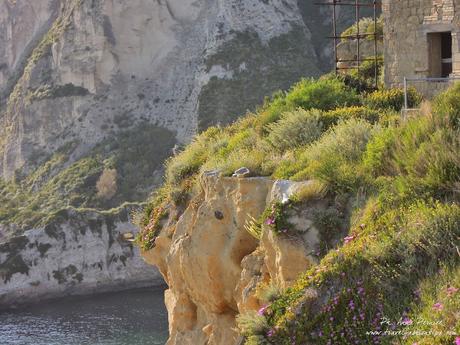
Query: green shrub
(392, 99)
(289, 164)
(446, 106)
(426, 157)
(323, 94)
(267, 293)
(332, 117)
(377, 159)
(189, 161)
(252, 323)
(295, 128)
(253, 158)
(329, 224)
(272, 109)
(332, 159)
(312, 190)
(366, 26)
(363, 80)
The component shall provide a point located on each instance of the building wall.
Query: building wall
(406, 36)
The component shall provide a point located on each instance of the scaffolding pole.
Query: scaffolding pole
(357, 4)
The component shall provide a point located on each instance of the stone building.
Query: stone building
(422, 39)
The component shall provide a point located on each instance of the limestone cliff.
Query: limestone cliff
(212, 264)
(77, 252)
(81, 69)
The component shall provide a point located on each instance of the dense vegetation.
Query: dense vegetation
(400, 258)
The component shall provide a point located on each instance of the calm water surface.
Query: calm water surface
(135, 317)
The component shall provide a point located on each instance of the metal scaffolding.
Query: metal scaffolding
(358, 36)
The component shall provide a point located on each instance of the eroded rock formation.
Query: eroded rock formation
(213, 265)
(78, 252)
(83, 69)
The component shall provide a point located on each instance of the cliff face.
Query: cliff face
(78, 252)
(82, 70)
(213, 266)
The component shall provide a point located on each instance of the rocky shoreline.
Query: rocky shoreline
(79, 252)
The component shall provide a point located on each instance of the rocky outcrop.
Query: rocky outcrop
(78, 252)
(213, 265)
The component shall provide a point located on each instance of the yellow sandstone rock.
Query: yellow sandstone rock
(213, 265)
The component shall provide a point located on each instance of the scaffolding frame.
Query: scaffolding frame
(357, 4)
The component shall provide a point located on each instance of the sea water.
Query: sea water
(134, 317)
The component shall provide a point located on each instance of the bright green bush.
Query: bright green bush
(392, 99)
(332, 117)
(324, 94)
(377, 159)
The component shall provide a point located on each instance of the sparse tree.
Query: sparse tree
(107, 184)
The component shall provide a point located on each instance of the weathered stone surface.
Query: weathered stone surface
(106, 65)
(76, 253)
(213, 266)
(408, 46)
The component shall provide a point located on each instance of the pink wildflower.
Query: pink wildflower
(452, 291)
(270, 221)
(438, 306)
(407, 321)
(457, 340)
(348, 239)
(262, 310)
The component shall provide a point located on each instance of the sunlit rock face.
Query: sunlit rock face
(213, 266)
(84, 69)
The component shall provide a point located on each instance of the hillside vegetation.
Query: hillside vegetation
(58, 183)
(400, 259)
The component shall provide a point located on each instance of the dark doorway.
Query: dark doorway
(440, 54)
(446, 54)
